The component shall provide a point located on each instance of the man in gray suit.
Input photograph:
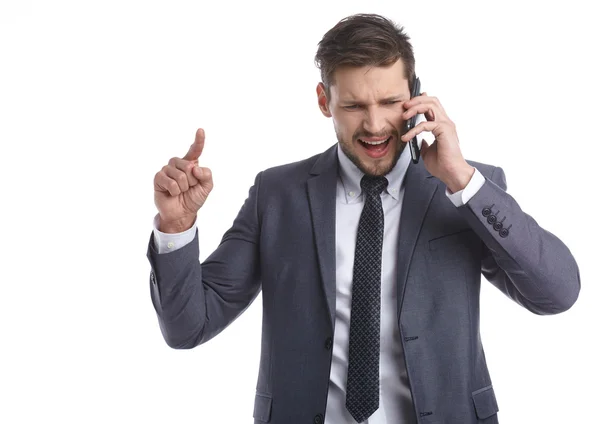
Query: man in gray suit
(369, 265)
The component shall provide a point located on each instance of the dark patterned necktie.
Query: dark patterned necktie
(362, 390)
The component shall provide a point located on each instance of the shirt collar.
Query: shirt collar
(351, 175)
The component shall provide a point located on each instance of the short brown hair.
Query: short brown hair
(363, 40)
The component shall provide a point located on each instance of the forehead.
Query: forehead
(353, 82)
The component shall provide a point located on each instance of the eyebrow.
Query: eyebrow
(398, 97)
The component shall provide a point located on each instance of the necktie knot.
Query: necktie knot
(373, 185)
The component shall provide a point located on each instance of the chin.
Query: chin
(377, 167)
(376, 170)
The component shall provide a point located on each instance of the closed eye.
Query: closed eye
(354, 107)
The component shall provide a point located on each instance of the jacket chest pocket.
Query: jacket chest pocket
(457, 245)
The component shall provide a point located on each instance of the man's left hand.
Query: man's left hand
(443, 159)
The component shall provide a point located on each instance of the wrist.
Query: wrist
(176, 226)
(460, 179)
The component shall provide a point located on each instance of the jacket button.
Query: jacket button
(504, 232)
(318, 419)
(491, 219)
(328, 343)
(498, 226)
(486, 211)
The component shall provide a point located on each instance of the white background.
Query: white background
(95, 97)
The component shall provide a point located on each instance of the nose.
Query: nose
(374, 122)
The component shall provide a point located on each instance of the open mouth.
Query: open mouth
(375, 149)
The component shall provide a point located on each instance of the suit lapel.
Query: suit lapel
(420, 186)
(321, 195)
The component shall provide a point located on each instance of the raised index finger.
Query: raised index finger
(196, 148)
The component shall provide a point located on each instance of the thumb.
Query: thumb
(196, 148)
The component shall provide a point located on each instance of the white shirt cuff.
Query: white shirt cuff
(169, 242)
(463, 196)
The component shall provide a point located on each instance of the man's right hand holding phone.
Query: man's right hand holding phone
(180, 189)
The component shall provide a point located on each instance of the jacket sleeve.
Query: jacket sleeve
(526, 262)
(194, 302)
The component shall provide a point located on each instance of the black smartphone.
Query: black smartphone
(415, 153)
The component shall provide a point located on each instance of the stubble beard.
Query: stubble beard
(380, 170)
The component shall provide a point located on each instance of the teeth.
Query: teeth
(374, 143)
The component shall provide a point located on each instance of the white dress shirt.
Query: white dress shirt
(395, 405)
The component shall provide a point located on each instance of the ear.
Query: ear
(322, 100)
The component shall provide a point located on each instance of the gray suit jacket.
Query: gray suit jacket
(283, 242)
